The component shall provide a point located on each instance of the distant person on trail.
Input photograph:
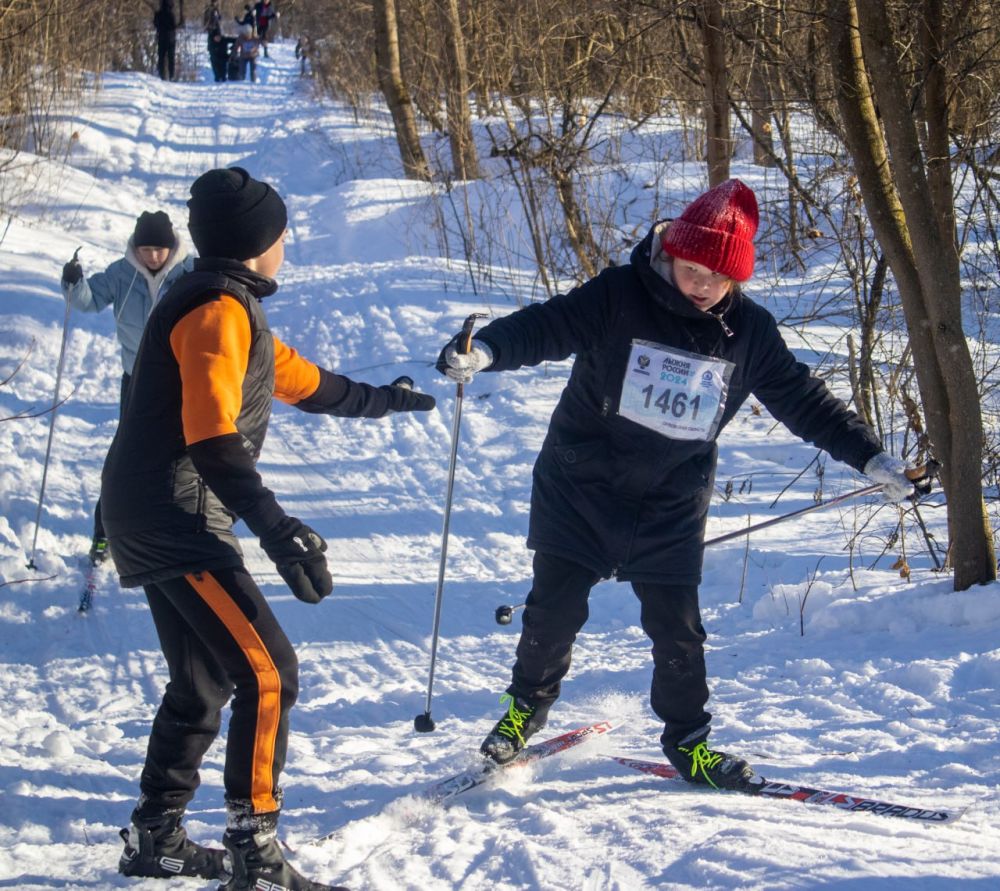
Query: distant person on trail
(303, 50)
(181, 470)
(211, 18)
(166, 23)
(245, 49)
(264, 12)
(248, 18)
(154, 259)
(218, 53)
(667, 348)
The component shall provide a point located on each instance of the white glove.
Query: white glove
(462, 367)
(890, 472)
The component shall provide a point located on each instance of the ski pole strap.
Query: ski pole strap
(923, 477)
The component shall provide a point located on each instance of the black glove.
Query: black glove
(403, 398)
(297, 552)
(72, 272)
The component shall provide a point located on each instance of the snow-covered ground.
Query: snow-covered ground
(891, 691)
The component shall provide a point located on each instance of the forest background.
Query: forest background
(880, 117)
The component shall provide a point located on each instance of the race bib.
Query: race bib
(679, 394)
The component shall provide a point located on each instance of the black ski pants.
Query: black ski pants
(221, 641)
(557, 609)
(166, 58)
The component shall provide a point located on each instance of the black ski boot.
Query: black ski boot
(512, 731)
(254, 861)
(157, 846)
(697, 763)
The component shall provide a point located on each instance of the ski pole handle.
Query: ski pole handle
(464, 344)
(923, 477)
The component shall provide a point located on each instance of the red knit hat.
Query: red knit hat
(717, 230)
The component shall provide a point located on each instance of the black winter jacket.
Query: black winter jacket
(168, 508)
(612, 494)
(166, 23)
(161, 518)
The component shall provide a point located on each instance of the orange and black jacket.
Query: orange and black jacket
(182, 464)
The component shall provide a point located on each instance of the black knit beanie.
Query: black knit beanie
(233, 215)
(153, 230)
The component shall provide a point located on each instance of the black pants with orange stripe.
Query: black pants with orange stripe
(221, 642)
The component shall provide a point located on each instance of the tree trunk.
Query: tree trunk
(938, 126)
(397, 97)
(718, 146)
(897, 196)
(463, 149)
(761, 102)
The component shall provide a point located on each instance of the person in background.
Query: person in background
(180, 472)
(247, 18)
(303, 51)
(245, 49)
(667, 349)
(218, 53)
(264, 12)
(154, 259)
(166, 23)
(211, 18)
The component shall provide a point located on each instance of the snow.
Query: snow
(826, 667)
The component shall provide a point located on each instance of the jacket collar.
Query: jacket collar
(155, 279)
(665, 294)
(259, 285)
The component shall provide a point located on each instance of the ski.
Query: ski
(89, 587)
(445, 790)
(807, 795)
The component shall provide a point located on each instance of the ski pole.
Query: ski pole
(424, 723)
(52, 427)
(920, 476)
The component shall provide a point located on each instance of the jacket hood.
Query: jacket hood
(664, 292)
(177, 254)
(259, 285)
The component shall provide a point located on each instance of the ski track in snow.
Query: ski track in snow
(890, 692)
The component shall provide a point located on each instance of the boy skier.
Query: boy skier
(154, 259)
(667, 350)
(180, 470)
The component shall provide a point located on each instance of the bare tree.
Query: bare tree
(463, 147)
(45, 48)
(892, 170)
(397, 97)
(719, 143)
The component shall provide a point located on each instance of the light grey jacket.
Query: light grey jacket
(131, 290)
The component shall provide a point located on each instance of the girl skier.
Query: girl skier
(667, 350)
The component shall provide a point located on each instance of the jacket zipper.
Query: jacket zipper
(725, 328)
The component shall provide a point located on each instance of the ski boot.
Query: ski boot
(157, 846)
(254, 860)
(511, 732)
(98, 550)
(697, 763)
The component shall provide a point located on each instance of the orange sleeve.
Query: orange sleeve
(212, 346)
(295, 378)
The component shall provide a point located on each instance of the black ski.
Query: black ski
(790, 792)
(89, 587)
